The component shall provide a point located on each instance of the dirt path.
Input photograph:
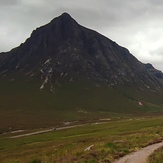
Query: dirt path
(32, 133)
(140, 156)
(44, 131)
(52, 129)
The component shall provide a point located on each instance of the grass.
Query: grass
(157, 156)
(110, 141)
(23, 106)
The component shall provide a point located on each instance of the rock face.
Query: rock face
(158, 74)
(63, 48)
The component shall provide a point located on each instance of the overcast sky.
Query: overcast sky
(134, 24)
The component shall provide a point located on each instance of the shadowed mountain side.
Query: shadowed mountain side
(66, 72)
(65, 48)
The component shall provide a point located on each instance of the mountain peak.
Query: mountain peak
(65, 17)
(65, 14)
(64, 26)
(73, 51)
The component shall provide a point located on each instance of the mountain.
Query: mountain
(158, 74)
(65, 48)
(84, 70)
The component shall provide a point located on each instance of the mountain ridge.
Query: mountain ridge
(65, 72)
(75, 50)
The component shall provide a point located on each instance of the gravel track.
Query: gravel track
(140, 156)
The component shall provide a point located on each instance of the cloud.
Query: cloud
(9, 2)
(136, 25)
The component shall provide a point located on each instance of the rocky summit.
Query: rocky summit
(63, 49)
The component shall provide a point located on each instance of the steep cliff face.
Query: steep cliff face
(63, 48)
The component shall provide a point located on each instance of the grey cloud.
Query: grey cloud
(156, 2)
(9, 2)
(158, 52)
(123, 21)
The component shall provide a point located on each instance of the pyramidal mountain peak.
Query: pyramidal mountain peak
(63, 49)
(64, 16)
(67, 74)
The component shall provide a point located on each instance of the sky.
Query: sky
(134, 24)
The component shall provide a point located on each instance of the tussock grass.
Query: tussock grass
(24, 106)
(156, 157)
(110, 141)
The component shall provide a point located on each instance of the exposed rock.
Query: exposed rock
(158, 74)
(65, 49)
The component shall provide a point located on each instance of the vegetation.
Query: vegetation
(108, 142)
(24, 106)
(157, 156)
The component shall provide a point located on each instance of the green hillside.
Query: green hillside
(23, 105)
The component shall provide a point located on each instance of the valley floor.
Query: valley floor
(104, 142)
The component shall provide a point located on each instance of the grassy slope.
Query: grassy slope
(22, 105)
(111, 140)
